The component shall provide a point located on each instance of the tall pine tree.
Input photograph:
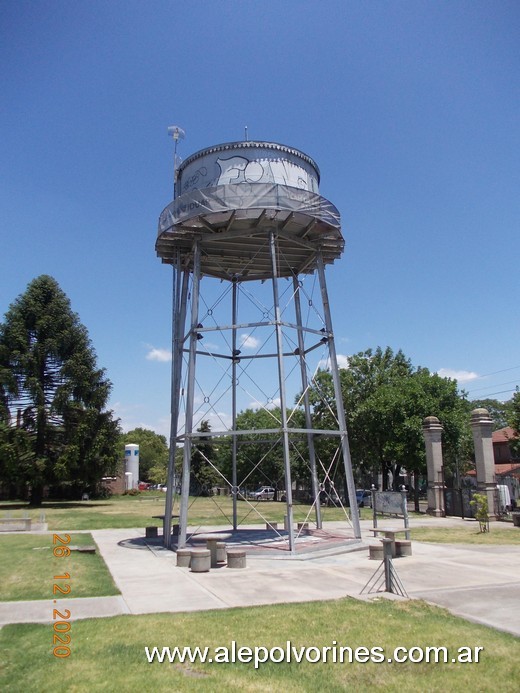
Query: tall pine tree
(54, 430)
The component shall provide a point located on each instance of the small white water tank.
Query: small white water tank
(132, 464)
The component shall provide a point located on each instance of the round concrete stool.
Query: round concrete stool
(303, 526)
(271, 525)
(184, 557)
(200, 560)
(236, 558)
(221, 551)
(403, 547)
(211, 543)
(151, 532)
(375, 552)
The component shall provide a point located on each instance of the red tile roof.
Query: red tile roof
(503, 435)
(508, 468)
(502, 469)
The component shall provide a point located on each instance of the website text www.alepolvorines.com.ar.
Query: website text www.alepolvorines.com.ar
(334, 654)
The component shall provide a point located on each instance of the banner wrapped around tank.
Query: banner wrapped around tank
(244, 196)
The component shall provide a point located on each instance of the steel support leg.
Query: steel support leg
(281, 380)
(190, 393)
(306, 403)
(349, 476)
(178, 324)
(234, 356)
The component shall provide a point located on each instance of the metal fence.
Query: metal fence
(457, 502)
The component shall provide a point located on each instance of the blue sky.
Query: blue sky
(410, 109)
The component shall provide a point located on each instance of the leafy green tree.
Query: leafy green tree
(498, 411)
(259, 456)
(514, 412)
(366, 387)
(404, 408)
(16, 458)
(514, 420)
(203, 461)
(55, 430)
(153, 453)
(386, 401)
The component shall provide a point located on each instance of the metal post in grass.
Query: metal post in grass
(387, 559)
(404, 497)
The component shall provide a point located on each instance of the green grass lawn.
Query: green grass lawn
(28, 567)
(468, 533)
(138, 511)
(108, 654)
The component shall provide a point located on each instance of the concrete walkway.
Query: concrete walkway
(478, 583)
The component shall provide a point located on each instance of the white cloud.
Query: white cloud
(131, 416)
(218, 421)
(154, 354)
(256, 404)
(247, 341)
(459, 376)
(342, 360)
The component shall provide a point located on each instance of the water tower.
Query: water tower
(132, 466)
(247, 219)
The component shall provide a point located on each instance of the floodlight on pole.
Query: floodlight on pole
(178, 134)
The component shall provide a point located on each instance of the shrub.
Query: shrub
(480, 503)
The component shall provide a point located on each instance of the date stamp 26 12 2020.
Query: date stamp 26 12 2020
(61, 628)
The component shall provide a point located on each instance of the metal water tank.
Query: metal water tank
(132, 463)
(232, 195)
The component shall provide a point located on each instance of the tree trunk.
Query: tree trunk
(416, 491)
(384, 470)
(36, 498)
(396, 473)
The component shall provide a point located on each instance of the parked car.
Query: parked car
(263, 493)
(363, 498)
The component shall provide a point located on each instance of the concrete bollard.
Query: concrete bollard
(183, 558)
(403, 547)
(221, 551)
(375, 552)
(200, 560)
(236, 558)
